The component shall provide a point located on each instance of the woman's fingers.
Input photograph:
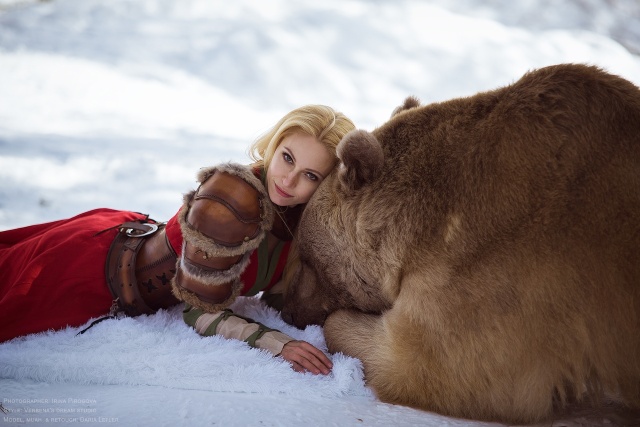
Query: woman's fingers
(319, 359)
(305, 357)
(297, 367)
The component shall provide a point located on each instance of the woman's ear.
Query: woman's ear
(361, 159)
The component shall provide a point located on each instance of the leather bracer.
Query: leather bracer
(222, 223)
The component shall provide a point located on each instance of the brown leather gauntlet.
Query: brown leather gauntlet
(139, 267)
(222, 222)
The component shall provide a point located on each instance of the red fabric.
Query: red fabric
(52, 274)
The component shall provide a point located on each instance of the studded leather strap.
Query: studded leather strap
(139, 268)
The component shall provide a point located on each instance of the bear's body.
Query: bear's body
(481, 256)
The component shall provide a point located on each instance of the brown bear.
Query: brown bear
(481, 256)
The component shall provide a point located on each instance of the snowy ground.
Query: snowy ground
(117, 103)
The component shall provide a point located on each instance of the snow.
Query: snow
(118, 103)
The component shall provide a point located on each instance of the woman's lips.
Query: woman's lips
(281, 192)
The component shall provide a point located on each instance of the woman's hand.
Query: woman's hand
(305, 357)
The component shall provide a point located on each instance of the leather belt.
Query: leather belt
(139, 268)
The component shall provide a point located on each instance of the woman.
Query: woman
(231, 237)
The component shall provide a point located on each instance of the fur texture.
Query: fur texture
(488, 266)
(192, 299)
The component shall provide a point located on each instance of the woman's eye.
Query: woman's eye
(287, 158)
(312, 176)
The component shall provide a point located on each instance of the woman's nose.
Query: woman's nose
(290, 179)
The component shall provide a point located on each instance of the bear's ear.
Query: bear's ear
(361, 159)
(409, 103)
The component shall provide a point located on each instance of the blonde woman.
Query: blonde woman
(231, 237)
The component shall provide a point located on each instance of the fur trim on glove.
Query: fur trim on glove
(210, 307)
(212, 277)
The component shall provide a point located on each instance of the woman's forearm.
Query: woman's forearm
(230, 325)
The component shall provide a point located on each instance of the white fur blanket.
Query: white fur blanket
(161, 350)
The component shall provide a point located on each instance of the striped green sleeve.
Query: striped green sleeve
(233, 326)
(190, 315)
(209, 323)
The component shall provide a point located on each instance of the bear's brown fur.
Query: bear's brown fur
(481, 256)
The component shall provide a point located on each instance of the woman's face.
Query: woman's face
(299, 165)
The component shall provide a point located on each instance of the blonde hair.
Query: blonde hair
(323, 123)
(319, 121)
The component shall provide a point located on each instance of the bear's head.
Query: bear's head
(339, 225)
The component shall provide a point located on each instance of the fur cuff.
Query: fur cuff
(212, 277)
(192, 298)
